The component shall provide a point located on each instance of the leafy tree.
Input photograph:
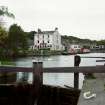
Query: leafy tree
(30, 35)
(17, 40)
(101, 42)
(3, 35)
(3, 42)
(4, 12)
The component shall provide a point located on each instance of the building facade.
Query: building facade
(48, 40)
(74, 48)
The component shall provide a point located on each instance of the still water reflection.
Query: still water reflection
(58, 79)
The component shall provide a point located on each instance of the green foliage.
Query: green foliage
(71, 39)
(3, 36)
(87, 42)
(30, 35)
(101, 42)
(7, 63)
(14, 42)
(17, 40)
(4, 12)
(87, 47)
(89, 76)
(3, 43)
(3, 33)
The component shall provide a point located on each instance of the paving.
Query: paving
(94, 86)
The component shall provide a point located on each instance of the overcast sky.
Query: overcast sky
(80, 18)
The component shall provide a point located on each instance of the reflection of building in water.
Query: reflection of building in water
(22, 77)
(25, 76)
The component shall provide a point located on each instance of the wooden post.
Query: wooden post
(37, 80)
(77, 61)
(37, 73)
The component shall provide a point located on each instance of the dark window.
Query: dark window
(38, 47)
(48, 36)
(48, 41)
(38, 41)
(50, 45)
(75, 46)
(38, 36)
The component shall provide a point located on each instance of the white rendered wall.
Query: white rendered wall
(54, 40)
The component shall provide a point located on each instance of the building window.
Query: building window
(50, 45)
(79, 46)
(57, 40)
(43, 46)
(75, 46)
(38, 36)
(56, 47)
(38, 47)
(48, 36)
(48, 41)
(38, 41)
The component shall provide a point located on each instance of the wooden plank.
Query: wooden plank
(15, 69)
(83, 69)
(94, 86)
(91, 57)
(76, 80)
(100, 60)
(77, 61)
(37, 73)
(37, 80)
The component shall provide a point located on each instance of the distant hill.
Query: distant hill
(71, 39)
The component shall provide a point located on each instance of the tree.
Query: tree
(30, 34)
(3, 35)
(4, 12)
(3, 32)
(17, 40)
(3, 42)
(101, 42)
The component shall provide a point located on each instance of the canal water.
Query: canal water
(59, 79)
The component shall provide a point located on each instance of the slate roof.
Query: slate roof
(46, 32)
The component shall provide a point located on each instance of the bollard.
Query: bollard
(37, 81)
(37, 73)
(77, 61)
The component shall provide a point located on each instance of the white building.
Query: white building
(48, 40)
(74, 48)
(77, 48)
(97, 46)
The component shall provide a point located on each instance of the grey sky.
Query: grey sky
(80, 18)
